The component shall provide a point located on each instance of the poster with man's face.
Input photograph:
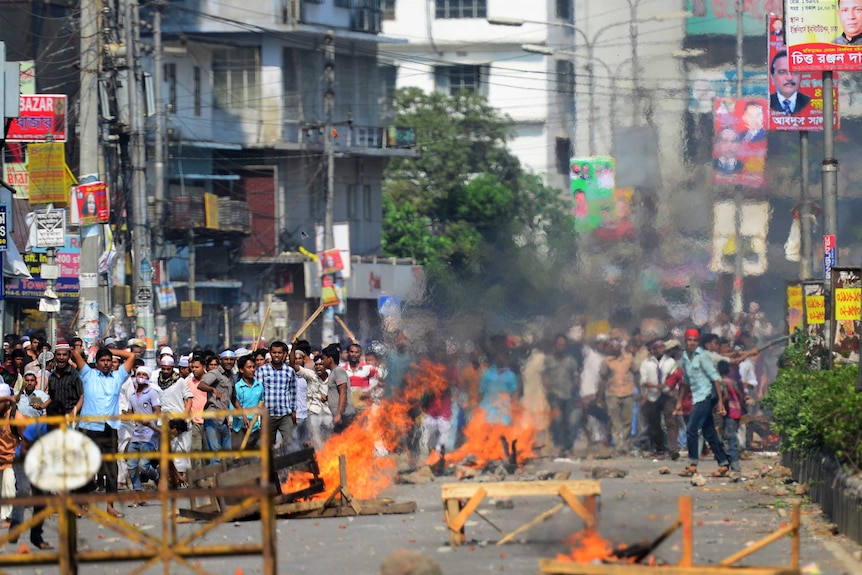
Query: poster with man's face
(739, 148)
(92, 203)
(795, 98)
(824, 35)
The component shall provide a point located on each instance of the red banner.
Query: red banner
(42, 119)
(739, 150)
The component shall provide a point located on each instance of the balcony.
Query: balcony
(195, 209)
(355, 137)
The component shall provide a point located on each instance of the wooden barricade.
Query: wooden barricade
(461, 500)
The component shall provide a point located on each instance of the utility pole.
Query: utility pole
(328, 334)
(829, 167)
(142, 269)
(88, 163)
(158, 147)
(193, 334)
(804, 211)
(738, 261)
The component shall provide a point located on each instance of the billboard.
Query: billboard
(718, 17)
(846, 312)
(755, 226)
(707, 84)
(821, 35)
(593, 182)
(67, 285)
(739, 148)
(795, 98)
(41, 115)
(92, 203)
(46, 164)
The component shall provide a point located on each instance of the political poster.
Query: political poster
(42, 119)
(718, 17)
(846, 312)
(824, 35)
(795, 308)
(755, 227)
(46, 164)
(92, 203)
(593, 181)
(739, 149)
(795, 98)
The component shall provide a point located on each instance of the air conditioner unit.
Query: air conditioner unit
(366, 20)
(291, 12)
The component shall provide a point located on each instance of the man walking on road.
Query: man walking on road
(279, 393)
(705, 384)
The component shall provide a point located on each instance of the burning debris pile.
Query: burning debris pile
(377, 442)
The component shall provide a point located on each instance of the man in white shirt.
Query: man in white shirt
(659, 404)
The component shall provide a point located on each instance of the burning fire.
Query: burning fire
(483, 439)
(380, 430)
(587, 547)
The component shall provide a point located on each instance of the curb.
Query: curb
(839, 494)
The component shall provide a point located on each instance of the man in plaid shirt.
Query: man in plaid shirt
(279, 393)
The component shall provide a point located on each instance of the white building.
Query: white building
(452, 46)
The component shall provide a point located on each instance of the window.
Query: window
(352, 192)
(197, 89)
(171, 79)
(563, 153)
(235, 78)
(389, 9)
(291, 77)
(565, 77)
(564, 9)
(461, 8)
(453, 79)
(344, 3)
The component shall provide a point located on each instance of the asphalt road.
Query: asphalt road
(728, 517)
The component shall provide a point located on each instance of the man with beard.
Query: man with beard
(167, 375)
(364, 377)
(101, 398)
(221, 394)
(616, 394)
(65, 388)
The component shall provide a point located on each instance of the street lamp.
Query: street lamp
(590, 45)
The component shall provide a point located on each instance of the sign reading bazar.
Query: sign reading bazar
(824, 35)
(42, 119)
(795, 98)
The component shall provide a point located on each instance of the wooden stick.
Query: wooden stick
(347, 329)
(794, 542)
(308, 322)
(686, 513)
(262, 327)
(250, 427)
(458, 522)
(758, 545)
(541, 518)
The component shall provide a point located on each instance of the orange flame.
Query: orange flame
(482, 439)
(588, 546)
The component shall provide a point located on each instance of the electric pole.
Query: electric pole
(88, 163)
(142, 269)
(328, 334)
(738, 261)
(158, 147)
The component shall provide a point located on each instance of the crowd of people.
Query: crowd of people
(611, 393)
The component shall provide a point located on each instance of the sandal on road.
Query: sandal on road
(688, 471)
(723, 471)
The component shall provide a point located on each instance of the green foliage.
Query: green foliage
(486, 231)
(815, 410)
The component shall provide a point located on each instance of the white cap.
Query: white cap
(166, 351)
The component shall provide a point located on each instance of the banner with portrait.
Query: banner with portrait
(846, 312)
(91, 201)
(739, 147)
(795, 98)
(593, 180)
(824, 35)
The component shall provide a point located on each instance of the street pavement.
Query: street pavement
(728, 516)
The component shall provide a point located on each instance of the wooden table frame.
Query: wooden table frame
(686, 564)
(457, 511)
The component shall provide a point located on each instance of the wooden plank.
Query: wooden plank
(554, 567)
(195, 514)
(577, 507)
(458, 522)
(298, 507)
(757, 546)
(452, 510)
(519, 488)
(367, 507)
(686, 518)
(347, 511)
(526, 526)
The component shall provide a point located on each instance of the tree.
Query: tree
(488, 233)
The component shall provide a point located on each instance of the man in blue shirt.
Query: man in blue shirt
(249, 393)
(701, 377)
(498, 386)
(102, 399)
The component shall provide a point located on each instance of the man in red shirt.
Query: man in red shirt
(364, 378)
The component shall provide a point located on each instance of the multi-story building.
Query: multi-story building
(244, 86)
(452, 46)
